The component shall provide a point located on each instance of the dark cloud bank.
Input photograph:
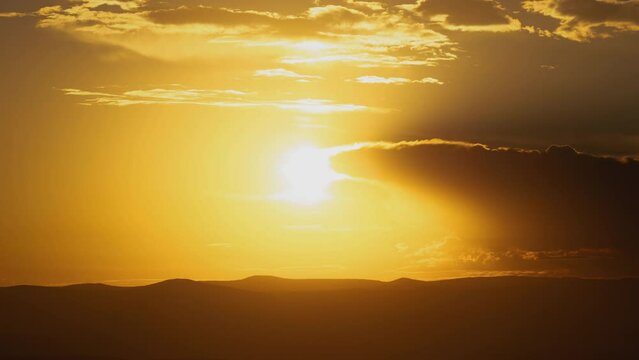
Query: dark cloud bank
(567, 210)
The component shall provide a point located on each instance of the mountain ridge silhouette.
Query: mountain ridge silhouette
(275, 318)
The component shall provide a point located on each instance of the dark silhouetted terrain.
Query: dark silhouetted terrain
(272, 318)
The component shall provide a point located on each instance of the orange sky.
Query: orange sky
(217, 139)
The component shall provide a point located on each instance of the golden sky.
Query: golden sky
(217, 139)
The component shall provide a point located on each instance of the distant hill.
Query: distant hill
(276, 284)
(273, 318)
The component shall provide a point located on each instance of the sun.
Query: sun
(307, 175)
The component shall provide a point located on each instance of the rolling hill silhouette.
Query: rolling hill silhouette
(273, 318)
(276, 284)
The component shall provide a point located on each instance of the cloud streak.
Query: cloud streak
(214, 98)
(371, 79)
(280, 72)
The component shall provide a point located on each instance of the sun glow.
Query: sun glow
(307, 175)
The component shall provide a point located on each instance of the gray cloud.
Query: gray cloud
(537, 208)
(466, 12)
(582, 20)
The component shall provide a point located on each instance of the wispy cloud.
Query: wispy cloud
(368, 60)
(369, 79)
(13, 14)
(280, 72)
(207, 97)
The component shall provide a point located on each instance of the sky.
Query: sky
(217, 139)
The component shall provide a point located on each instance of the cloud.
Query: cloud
(465, 12)
(12, 15)
(363, 60)
(365, 5)
(468, 15)
(336, 14)
(453, 256)
(583, 20)
(211, 15)
(158, 95)
(204, 97)
(364, 33)
(514, 209)
(285, 73)
(184, 94)
(369, 79)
